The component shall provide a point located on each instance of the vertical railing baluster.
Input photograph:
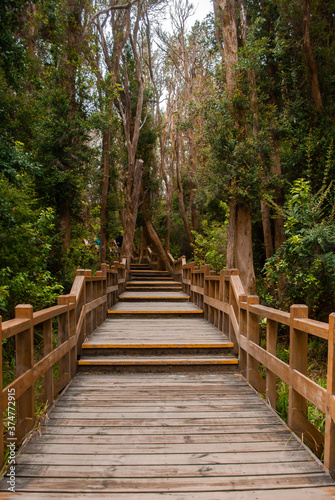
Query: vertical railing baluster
(63, 336)
(271, 347)
(242, 320)
(253, 375)
(47, 348)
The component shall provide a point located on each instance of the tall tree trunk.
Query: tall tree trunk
(267, 232)
(182, 208)
(130, 213)
(309, 54)
(244, 253)
(231, 235)
(225, 15)
(106, 146)
(276, 170)
(65, 224)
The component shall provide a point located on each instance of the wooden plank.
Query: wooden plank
(165, 459)
(157, 360)
(107, 485)
(270, 313)
(312, 327)
(98, 345)
(12, 327)
(75, 420)
(166, 471)
(162, 448)
(49, 313)
(309, 493)
(139, 410)
(217, 304)
(90, 306)
(162, 439)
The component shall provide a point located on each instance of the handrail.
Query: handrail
(77, 315)
(232, 311)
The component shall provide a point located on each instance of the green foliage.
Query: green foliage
(307, 257)
(210, 246)
(26, 239)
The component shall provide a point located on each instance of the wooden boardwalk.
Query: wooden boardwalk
(154, 433)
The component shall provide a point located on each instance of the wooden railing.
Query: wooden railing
(238, 315)
(74, 317)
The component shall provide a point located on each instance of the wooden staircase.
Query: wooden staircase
(154, 327)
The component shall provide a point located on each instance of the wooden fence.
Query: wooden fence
(238, 315)
(67, 324)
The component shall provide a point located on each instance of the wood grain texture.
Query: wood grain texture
(147, 436)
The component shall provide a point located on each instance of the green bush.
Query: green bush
(210, 247)
(306, 260)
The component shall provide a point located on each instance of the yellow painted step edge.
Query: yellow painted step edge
(227, 345)
(158, 362)
(153, 297)
(156, 312)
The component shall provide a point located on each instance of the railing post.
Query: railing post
(89, 298)
(24, 343)
(243, 331)
(80, 306)
(1, 412)
(253, 375)
(47, 348)
(100, 292)
(232, 302)
(271, 347)
(63, 336)
(329, 456)
(204, 271)
(297, 409)
(72, 333)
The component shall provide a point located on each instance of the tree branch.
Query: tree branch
(105, 11)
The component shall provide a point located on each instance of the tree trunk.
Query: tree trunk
(244, 254)
(182, 208)
(156, 243)
(144, 246)
(276, 170)
(309, 54)
(65, 225)
(267, 232)
(225, 15)
(106, 145)
(231, 235)
(130, 213)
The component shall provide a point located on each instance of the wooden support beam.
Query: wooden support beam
(297, 410)
(24, 352)
(329, 456)
(1, 413)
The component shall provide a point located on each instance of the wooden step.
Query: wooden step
(152, 283)
(151, 288)
(155, 307)
(158, 363)
(145, 296)
(158, 360)
(150, 348)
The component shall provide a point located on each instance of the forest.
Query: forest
(214, 141)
